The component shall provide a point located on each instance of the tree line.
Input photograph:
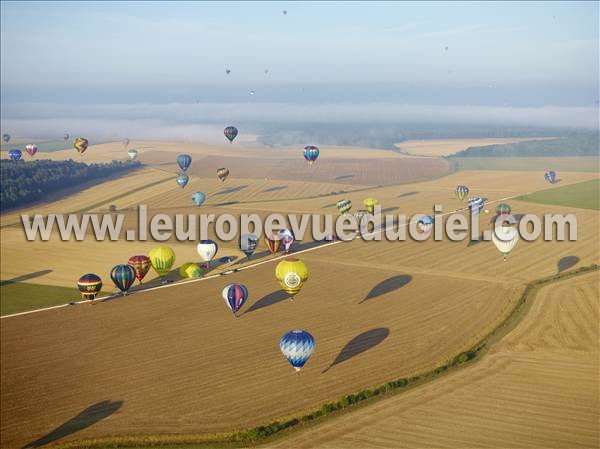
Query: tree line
(23, 182)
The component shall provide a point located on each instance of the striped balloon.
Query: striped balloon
(222, 173)
(235, 296)
(15, 154)
(141, 265)
(123, 277)
(182, 180)
(503, 209)
(550, 176)
(297, 346)
(344, 206)
(287, 238)
(231, 133)
(311, 153)
(272, 243)
(89, 285)
(475, 204)
(184, 161)
(248, 243)
(461, 192)
(31, 149)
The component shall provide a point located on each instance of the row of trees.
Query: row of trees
(24, 182)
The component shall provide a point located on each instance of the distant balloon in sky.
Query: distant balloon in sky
(266, 71)
(132, 154)
(230, 132)
(15, 154)
(126, 142)
(80, 144)
(222, 174)
(446, 48)
(31, 149)
(284, 12)
(311, 153)
(227, 71)
(184, 161)
(550, 176)
(6, 138)
(66, 137)
(252, 92)
(182, 180)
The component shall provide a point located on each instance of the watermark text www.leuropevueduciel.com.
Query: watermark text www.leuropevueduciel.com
(454, 226)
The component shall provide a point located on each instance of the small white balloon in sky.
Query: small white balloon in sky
(252, 92)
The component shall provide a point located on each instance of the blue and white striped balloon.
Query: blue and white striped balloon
(476, 204)
(297, 346)
(550, 176)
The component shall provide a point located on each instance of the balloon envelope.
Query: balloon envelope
(287, 239)
(182, 180)
(235, 296)
(80, 144)
(461, 192)
(291, 273)
(89, 285)
(248, 243)
(505, 238)
(6, 138)
(550, 176)
(369, 204)
(222, 174)
(15, 154)
(66, 137)
(207, 249)
(198, 198)
(141, 265)
(132, 154)
(425, 224)
(162, 259)
(297, 346)
(273, 243)
(184, 161)
(123, 277)
(311, 153)
(344, 206)
(230, 132)
(190, 270)
(31, 149)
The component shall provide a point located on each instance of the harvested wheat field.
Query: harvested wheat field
(447, 147)
(538, 387)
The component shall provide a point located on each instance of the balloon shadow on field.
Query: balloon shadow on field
(476, 242)
(389, 209)
(268, 300)
(275, 188)
(339, 178)
(227, 203)
(327, 206)
(359, 344)
(402, 195)
(567, 262)
(231, 190)
(85, 418)
(517, 217)
(387, 286)
(25, 277)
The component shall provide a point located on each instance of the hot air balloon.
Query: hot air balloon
(207, 249)
(198, 198)
(297, 346)
(235, 296)
(252, 92)
(503, 209)
(550, 176)
(369, 204)
(182, 180)
(273, 243)
(222, 174)
(344, 206)
(66, 136)
(284, 12)
(248, 243)
(31, 149)
(230, 132)
(461, 192)
(190, 270)
(287, 238)
(123, 276)
(126, 142)
(6, 138)
(132, 154)
(140, 265)
(80, 144)
(425, 224)
(227, 71)
(503, 240)
(475, 204)
(162, 259)
(89, 285)
(291, 273)
(311, 153)
(15, 154)
(184, 161)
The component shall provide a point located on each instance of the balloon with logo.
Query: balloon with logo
(248, 243)
(344, 206)
(123, 277)
(132, 154)
(198, 198)
(291, 273)
(184, 161)
(31, 149)
(6, 138)
(550, 176)
(425, 224)
(222, 174)
(141, 265)
(311, 153)
(235, 296)
(273, 243)
(505, 238)
(80, 144)
(162, 259)
(15, 154)
(207, 249)
(286, 236)
(89, 285)
(461, 192)
(369, 204)
(190, 270)
(231, 133)
(182, 180)
(297, 346)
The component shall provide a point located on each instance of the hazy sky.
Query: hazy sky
(97, 43)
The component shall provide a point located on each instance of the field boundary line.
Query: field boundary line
(246, 267)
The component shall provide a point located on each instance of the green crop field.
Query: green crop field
(20, 297)
(580, 164)
(584, 195)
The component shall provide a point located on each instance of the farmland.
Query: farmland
(173, 360)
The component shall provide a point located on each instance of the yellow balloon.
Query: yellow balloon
(370, 204)
(162, 259)
(80, 144)
(291, 273)
(190, 270)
